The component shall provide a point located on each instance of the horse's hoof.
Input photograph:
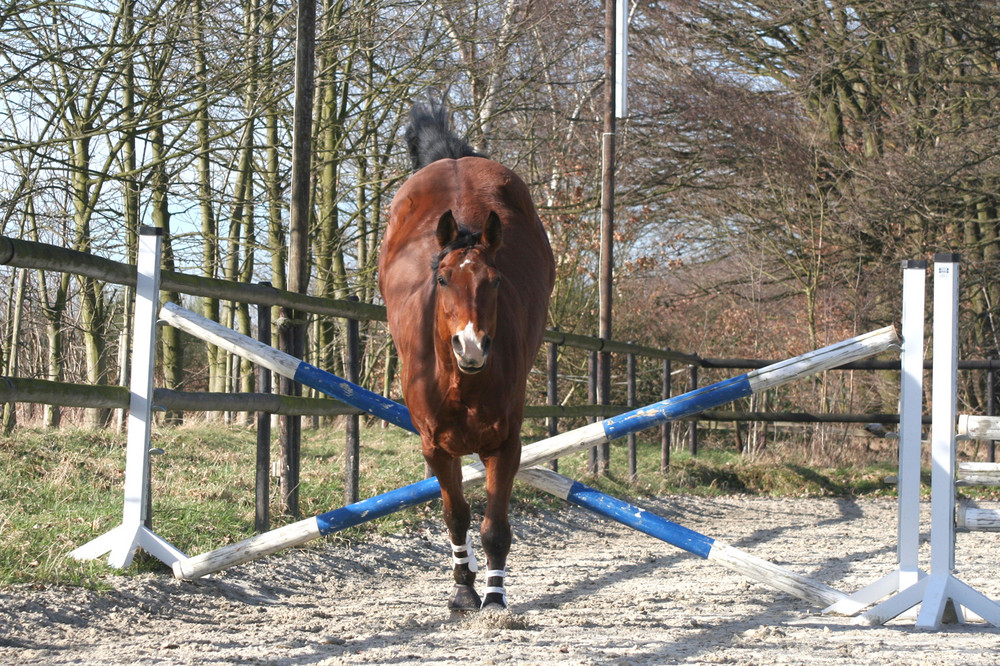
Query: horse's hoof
(464, 598)
(494, 602)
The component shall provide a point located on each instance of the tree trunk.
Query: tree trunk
(216, 357)
(173, 353)
(14, 334)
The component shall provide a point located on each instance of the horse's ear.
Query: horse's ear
(447, 230)
(492, 232)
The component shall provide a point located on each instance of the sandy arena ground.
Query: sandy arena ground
(583, 590)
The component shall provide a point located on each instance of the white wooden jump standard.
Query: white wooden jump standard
(123, 540)
(534, 454)
(941, 592)
(907, 571)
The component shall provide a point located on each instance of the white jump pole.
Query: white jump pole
(124, 540)
(941, 592)
(979, 427)
(907, 571)
(535, 454)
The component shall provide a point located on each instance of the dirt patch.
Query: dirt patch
(583, 590)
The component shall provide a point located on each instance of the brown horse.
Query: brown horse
(466, 272)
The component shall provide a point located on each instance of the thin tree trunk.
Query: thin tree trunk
(53, 308)
(173, 353)
(130, 189)
(216, 358)
(11, 362)
(298, 250)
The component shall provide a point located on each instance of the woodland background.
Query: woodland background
(779, 159)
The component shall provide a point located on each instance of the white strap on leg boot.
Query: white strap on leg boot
(468, 558)
(493, 589)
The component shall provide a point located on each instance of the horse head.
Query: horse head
(467, 284)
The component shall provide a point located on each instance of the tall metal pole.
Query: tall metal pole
(607, 217)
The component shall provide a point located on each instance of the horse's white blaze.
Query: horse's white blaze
(469, 348)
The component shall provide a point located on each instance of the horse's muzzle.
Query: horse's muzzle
(470, 353)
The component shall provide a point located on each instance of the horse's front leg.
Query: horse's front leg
(457, 517)
(501, 468)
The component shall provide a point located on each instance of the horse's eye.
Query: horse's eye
(442, 281)
(496, 282)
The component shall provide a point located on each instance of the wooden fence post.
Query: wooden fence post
(693, 423)
(633, 470)
(991, 408)
(291, 426)
(262, 512)
(665, 428)
(552, 394)
(352, 431)
(603, 399)
(592, 398)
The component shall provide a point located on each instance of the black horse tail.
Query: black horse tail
(429, 136)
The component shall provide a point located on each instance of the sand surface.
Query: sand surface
(583, 590)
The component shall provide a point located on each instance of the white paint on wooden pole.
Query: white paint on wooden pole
(249, 549)
(978, 474)
(977, 519)
(230, 340)
(621, 58)
(979, 427)
(782, 579)
(827, 358)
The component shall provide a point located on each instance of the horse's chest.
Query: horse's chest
(463, 430)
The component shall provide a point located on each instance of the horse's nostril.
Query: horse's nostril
(456, 344)
(487, 342)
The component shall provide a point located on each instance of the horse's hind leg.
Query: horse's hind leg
(496, 533)
(457, 517)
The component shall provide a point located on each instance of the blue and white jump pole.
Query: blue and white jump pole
(534, 454)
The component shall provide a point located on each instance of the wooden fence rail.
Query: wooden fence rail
(30, 254)
(40, 391)
(33, 255)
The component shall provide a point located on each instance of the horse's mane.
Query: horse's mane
(429, 136)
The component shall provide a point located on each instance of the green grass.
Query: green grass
(62, 488)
